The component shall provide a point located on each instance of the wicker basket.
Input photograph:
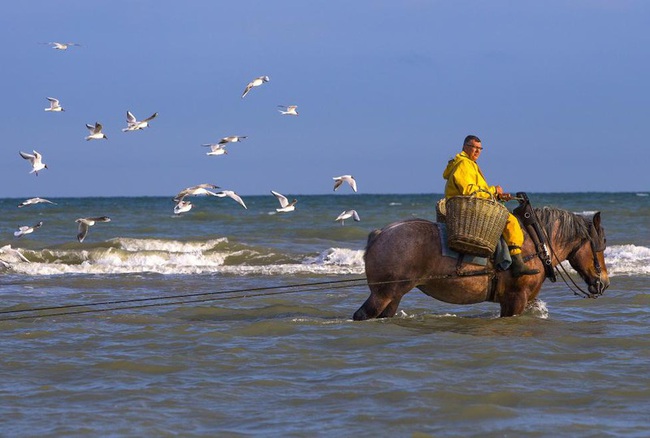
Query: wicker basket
(441, 211)
(474, 225)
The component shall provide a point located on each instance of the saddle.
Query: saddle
(500, 259)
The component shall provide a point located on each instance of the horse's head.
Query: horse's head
(588, 258)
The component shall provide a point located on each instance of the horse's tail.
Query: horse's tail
(371, 239)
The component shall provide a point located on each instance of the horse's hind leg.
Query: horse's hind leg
(372, 308)
(391, 308)
(382, 302)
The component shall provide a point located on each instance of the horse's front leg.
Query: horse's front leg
(513, 302)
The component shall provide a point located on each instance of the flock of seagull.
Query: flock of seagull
(182, 204)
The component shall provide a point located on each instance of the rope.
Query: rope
(247, 293)
(175, 303)
(323, 284)
(182, 299)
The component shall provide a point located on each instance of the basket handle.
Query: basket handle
(492, 197)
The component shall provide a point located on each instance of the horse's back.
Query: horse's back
(411, 242)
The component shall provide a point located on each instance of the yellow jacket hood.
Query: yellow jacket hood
(464, 177)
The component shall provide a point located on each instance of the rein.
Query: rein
(597, 267)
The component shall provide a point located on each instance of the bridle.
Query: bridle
(595, 249)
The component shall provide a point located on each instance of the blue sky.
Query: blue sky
(386, 90)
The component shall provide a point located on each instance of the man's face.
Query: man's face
(473, 150)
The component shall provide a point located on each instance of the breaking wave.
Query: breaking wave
(128, 255)
(627, 260)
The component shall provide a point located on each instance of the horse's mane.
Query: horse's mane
(569, 225)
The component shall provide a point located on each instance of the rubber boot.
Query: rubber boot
(518, 268)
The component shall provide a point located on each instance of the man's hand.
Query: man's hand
(504, 197)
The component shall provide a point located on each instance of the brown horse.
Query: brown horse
(407, 254)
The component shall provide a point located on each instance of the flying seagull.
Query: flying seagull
(233, 195)
(347, 215)
(285, 205)
(338, 180)
(61, 46)
(288, 110)
(87, 222)
(255, 83)
(54, 105)
(16, 254)
(201, 189)
(36, 159)
(216, 149)
(33, 201)
(95, 132)
(182, 207)
(132, 124)
(232, 139)
(26, 229)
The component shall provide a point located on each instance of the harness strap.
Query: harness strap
(493, 279)
(526, 214)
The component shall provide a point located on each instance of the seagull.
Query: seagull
(255, 83)
(32, 201)
(54, 105)
(232, 195)
(36, 159)
(87, 222)
(232, 139)
(347, 215)
(95, 132)
(182, 207)
(201, 189)
(26, 230)
(338, 180)
(284, 203)
(216, 149)
(132, 124)
(8, 250)
(289, 110)
(61, 46)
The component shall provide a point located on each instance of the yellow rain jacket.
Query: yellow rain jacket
(464, 177)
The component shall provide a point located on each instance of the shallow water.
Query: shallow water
(289, 361)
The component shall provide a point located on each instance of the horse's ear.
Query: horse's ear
(596, 220)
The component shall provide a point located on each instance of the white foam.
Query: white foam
(538, 309)
(627, 260)
(186, 258)
(175, 257)
(338, 257)
(130, 244)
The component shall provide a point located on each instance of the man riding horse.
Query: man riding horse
(464, 178)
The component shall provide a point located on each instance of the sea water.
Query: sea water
(226, 321)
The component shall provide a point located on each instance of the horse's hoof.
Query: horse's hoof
(360, 315)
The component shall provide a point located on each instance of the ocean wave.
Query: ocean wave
(122, 255)
(173, 246)
(627, 260)
(337, 257)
